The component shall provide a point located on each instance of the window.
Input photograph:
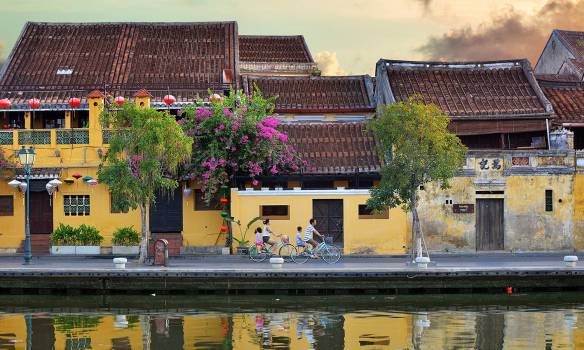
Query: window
(115, 209)
(366, 213)
(549, 204)
(201, 205)
(6, 205)
(77, 205)
(275, 212)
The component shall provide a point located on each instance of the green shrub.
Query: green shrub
(126, 236)
(65, 235)
(89, 235)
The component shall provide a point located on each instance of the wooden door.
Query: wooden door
(166, 215)
(41, 213)
(329, 217)
(490, 224)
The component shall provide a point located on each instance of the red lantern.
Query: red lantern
(77, 176)
(169, 99)
(120, 100)
(5, 103)
(224, 228)
(34, 103)
(223, 200)
(74, 102)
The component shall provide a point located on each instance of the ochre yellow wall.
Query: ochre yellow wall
(12, 227)
(361, 236)
(391, 332)
(200, 227)
(13, 324)
(579, 211)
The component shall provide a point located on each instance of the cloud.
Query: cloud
(510, 35)
(328, 63)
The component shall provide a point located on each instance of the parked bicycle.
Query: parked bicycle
(261, 251)
(325, 250)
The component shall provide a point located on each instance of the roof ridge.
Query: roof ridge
(517, 61)
(128, 23)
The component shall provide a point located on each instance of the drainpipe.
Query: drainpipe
(547, 128)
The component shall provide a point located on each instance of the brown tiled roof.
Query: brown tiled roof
(263, 48)
(142, 93)
(61, 56)
(347, 94)
(574, 41)
(555, 77)
(334, 148)
(567, 97)
(480, 89)
(95, 94)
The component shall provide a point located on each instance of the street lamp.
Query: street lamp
(26, 158)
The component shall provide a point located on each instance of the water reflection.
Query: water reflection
(293, 323)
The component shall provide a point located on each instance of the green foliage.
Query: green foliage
(242, 240)
(89, 235)
(126, 236)
(69, 323)
(147, 147)
(83, 235)
(418, 148)
(65, 235)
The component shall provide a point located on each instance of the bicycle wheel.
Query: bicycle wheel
(300, 255)
(286, 251)
(257, 255)
(330, 254)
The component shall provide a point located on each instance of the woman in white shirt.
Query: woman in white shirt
(267, 232)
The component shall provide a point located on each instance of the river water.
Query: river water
(547, 321)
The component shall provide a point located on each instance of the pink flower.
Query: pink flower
(244, 139)
(221, 161)
(271, 122)
(206, 175)
(274, 170)
(255, 182)
(283, 137)
(235, 126)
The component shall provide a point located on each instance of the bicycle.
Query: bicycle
(329, 253)
(283, 247)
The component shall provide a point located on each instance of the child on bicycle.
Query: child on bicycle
(300, 237)
(267, 232)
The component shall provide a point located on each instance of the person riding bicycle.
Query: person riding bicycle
(300, 237)
(310, 232)
(267, 232)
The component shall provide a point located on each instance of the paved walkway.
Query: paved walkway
(198, 264)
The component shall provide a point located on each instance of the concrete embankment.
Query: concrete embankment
(236, 275)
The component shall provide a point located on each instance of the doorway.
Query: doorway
(166, 215)
(490, 224)
(329, 218)
(41, 212)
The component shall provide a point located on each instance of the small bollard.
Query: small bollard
(161, 252)
(570, 260)
(120, 263)
(277, 262)
(422, 262)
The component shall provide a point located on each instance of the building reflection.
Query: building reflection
(441, 329)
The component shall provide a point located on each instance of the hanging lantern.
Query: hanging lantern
(55, 183)
(77, 176)
(69, 180)
(87, 178)
(223, 200)
(14, 183)
(92, 182)
(224, 228)
(120, 100)
(50, 188)
(187, 191)
(224, 214)
(23, 186)
(34, 103)
(169, 99)
(74, 102)
(5, 103)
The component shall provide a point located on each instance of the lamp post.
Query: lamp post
(26, 158)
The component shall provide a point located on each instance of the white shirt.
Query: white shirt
(308, 234)
(266, 231)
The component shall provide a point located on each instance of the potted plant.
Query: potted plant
(243, 247)
(63, 240)
(89, 241)
(126, 241)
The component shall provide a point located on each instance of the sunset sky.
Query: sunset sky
(346, 36)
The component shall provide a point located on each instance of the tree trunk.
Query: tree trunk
(416, 228)
(145, 234)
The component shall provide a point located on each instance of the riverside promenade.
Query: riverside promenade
(480, 273)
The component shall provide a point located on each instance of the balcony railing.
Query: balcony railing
(49, 137)
(73, 137)
(34, 137)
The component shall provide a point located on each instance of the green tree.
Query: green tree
(146, 150)
(417, 148)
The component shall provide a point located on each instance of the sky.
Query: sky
(344, 36)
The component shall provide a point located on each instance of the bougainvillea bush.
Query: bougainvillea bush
(236, 135)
